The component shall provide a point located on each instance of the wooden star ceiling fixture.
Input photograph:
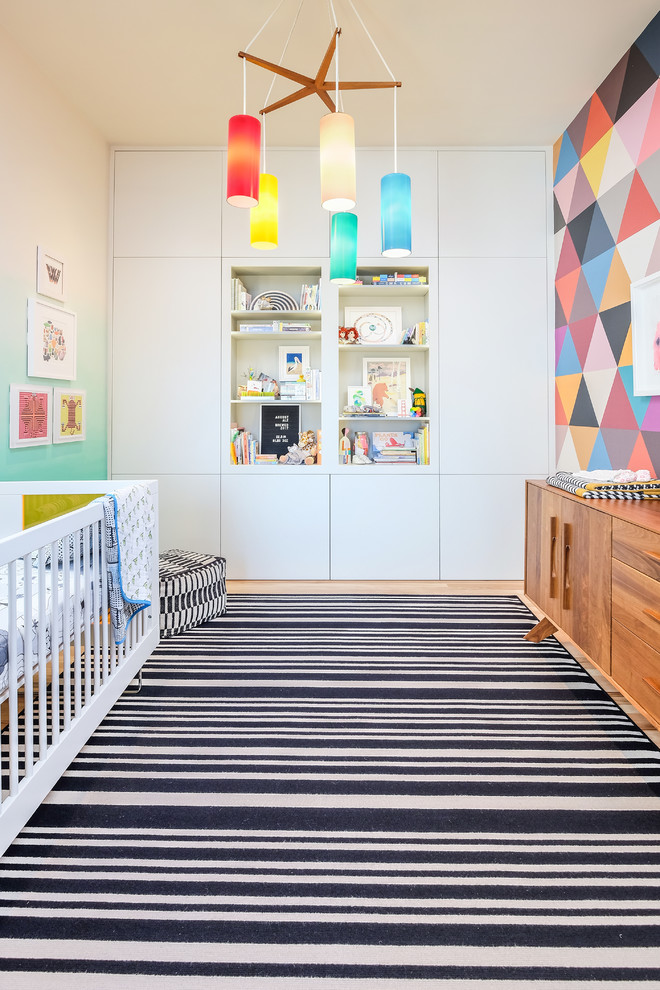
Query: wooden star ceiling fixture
(319, 84)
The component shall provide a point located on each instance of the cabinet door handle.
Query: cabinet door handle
(653, 684)
(567, 586)
(554, 526)
(652, 614)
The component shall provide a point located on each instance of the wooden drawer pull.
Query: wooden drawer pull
(652, 683)
(651, 614)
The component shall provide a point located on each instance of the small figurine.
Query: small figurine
(361, 455)
(307, 444)
(348, 335)
(418, 402)
(345, 447)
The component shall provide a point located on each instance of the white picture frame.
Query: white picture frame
(293, 361)
(50, 275)
(69, 415)
(30, 415)
(376, 325)
(389, 380)
(645, 318)
(51, 341)
(359, 395)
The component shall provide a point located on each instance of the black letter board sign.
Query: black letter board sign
(280, 428)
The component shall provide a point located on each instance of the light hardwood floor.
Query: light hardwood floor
(443, 588)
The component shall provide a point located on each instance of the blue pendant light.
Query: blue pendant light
(395, 215)
(343, 248)
(395, 209)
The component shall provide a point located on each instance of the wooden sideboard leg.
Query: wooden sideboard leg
(543, 628)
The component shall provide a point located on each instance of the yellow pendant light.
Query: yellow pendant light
(263, 218)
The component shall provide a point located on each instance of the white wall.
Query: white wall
(53, 193)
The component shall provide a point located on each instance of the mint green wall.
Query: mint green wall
(53, 193)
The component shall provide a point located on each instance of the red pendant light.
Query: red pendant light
(243, 158)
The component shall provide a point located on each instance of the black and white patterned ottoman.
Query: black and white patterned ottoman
(192, 589)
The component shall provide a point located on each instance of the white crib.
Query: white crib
(62, 670)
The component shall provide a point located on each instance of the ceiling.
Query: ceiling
(474, 72)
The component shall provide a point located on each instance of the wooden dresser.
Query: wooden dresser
(593, 567)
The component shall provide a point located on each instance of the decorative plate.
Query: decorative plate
(274, 301)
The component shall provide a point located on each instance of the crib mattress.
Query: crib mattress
(56, 574)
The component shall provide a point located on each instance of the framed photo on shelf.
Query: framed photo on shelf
(389, 381)
(645, 314)
(51, 341)
(29, 416)
(50, 275)
(69, 415)
(375, 326)
(359, 395)
(293, 362)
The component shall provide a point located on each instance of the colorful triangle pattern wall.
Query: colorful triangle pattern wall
(607, 235)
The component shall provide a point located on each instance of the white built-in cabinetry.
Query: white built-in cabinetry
(479, 233)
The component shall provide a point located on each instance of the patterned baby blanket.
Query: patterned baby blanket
(130, 518)
(604, 489)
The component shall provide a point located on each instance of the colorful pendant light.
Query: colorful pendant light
(263, 218)
(343, 248)
(243, 156)
(395, 209)
(337, 147)
(395, 215)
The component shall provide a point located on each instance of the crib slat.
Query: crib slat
(42, 694)
(28, 666)
(103, 605)
(55, 640)
(86, 616)
(12, 661)
(95, 610)
(66, 643)
(77, 618)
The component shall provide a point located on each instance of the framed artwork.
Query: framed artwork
(69, 415)
(359, 395)
(29, 416)
(375, 326)
(293, 362)
(645, 314)
(50, 275)
(389, 381)
(51, 341)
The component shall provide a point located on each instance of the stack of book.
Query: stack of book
(394, 448)
(240, 297)
(276, 326)
(398, 279)
(310, 297)
(423, 445)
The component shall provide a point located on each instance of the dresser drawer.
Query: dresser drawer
(636, 602)
(638, 547)
(636, 669)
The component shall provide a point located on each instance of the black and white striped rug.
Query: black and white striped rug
(365, 793)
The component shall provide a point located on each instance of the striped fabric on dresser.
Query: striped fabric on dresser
(347, 793)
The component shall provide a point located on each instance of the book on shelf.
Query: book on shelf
(400, 447)
(277, 326)
(398, 278)
(416, 334)
(244, 448)
(240, 297)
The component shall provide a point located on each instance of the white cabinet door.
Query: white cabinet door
(492, 204)
(304, 226)
(167, 204)
(494, 376)
(188, 512)
(166, 366)
(384, 528)
(421, 166)
(482, 527)
(275, 526)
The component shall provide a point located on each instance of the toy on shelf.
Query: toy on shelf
(418, 402)
(303, 452)
(345, 446)
(361, 455)
(348, 335)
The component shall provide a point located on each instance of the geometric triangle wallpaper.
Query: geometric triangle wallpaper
(607, 231)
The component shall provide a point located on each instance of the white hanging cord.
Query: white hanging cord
(339, 99)
(263, 138)
(395, 139)
(265, 24)
(244, 86)
(331, 7)
(286, 45)
(372, 41)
